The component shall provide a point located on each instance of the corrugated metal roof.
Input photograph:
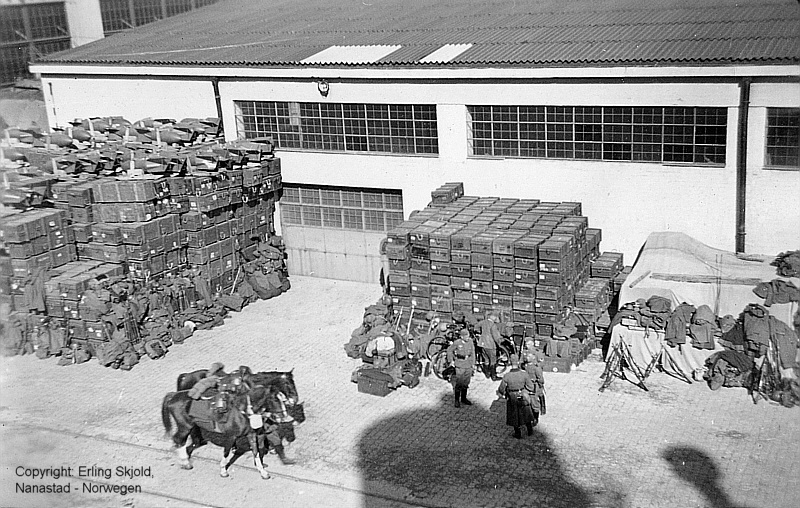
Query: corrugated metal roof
(350, 54)
(445, 53)
(500, 32)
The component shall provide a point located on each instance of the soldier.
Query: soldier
(273, 438)
(218, 408)
(489, 340)
(212, 379)
(461, 354)
(517, 388)
(534, 370)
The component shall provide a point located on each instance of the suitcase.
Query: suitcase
(374, 382)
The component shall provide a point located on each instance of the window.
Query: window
(783, 138)
(116, 16)
(177, 6)
(28, 32)
(376, 128)
(341, 207)
(614, 133)
(146, 11)
(119, 15)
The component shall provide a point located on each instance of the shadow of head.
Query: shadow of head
(691, 464)
(697, 468)
(443, 456)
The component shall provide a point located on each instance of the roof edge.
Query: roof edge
(482, 72)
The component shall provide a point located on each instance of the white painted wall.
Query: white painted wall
(85, 21)
(626, 200)
(773, 196)
(69, 98)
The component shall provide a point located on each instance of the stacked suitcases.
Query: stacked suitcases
(207, 217)
(524, 259)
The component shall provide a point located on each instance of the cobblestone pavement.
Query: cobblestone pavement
(676, 445)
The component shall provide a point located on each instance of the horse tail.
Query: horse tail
(165, 417)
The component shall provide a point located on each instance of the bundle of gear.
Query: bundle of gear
(760, 351)
(127, 319)
(384, 347)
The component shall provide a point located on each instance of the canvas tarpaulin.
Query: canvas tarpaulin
(646, 346)
(678, 267)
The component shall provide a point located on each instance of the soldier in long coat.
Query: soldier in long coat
(517, 388)
(534, 370)
(489, 340)
(461, 354)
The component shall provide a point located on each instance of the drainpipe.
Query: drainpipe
(218, 100)
(741, 163)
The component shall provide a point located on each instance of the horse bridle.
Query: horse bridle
(280, 417)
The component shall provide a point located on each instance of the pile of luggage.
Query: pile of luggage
(389, 359)
(164, 207)
(537, 265)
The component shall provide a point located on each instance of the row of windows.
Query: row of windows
(341, 208)
(122, 14)
(651, 134)
(380, 128)
(30, 31)
(695, 135)
(27, 32)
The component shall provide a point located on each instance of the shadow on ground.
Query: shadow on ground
(698, 469)
(445, 456)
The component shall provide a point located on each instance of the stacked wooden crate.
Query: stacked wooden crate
(523, 259)
(196, 210)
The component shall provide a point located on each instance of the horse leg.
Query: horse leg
(224, 463)
(251, 437)
(238, 451)
(183, 454)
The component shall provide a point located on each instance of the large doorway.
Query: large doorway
(336, 232)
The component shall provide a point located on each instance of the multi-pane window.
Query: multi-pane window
(341, 207)
(177, 6)
(116, 15)
(379, 128)
(614, 133)
(783, 138)
(146, 11)
(122, 14)
(28, 32)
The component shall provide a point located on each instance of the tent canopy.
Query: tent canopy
(678, 267)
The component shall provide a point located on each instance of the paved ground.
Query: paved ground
(676, 445)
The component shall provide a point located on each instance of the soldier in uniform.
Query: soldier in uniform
(461, 354)
(534, 370)
(489, 340)
(273, 438)
(517, 388)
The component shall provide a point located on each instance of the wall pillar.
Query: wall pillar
(85, 22)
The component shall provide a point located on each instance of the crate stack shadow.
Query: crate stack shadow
(537, 265)
(124, 248)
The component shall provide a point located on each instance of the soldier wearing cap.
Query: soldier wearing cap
(461, 354)
(489, 340)
(517, 388)
(534, 370)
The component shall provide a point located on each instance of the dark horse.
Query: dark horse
(238, 425)
(284, 381)
(265, 442)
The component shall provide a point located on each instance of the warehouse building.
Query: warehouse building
(657, 116)
(34, 28)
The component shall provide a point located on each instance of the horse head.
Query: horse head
(269, 400)
(283, 381)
